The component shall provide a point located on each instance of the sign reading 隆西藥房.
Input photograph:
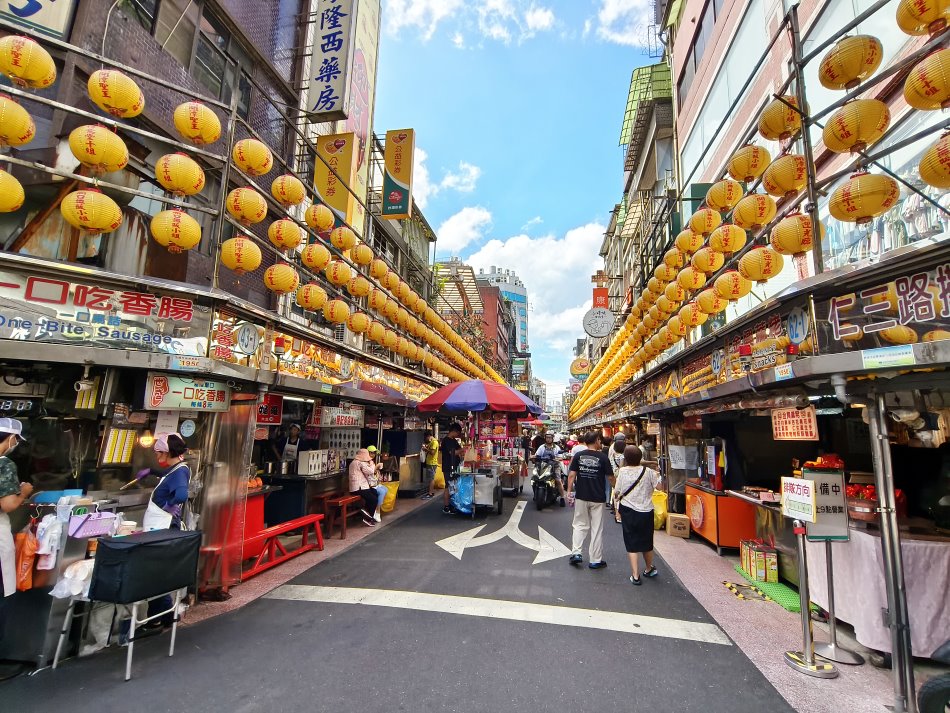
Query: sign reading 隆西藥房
(798, 499)
(329, 84)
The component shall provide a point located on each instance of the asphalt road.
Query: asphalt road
(358, 633)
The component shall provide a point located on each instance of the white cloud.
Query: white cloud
(624, 22)
(498, 20)
(425, 15)
(536, 220)
(464, 180)
(458, 40)
(422, 187)
(538, 18)
(462, 229)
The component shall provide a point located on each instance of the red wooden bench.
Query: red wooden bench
(342, 504)
(274, 552)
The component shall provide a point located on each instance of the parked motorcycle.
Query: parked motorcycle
(934, 695)
(544, 483)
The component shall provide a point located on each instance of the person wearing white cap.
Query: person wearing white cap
(13, 493)
(167, 500)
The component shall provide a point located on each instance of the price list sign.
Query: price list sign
(794, 424)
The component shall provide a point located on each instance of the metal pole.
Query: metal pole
(831, 650)
(902, 663)
(804, 661)
(812, 189)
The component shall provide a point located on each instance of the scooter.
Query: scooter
(934, 695)
(544, 483)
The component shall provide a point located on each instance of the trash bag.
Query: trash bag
(389, 502)
(26, 546)
(463, 495)
(659, 510)
(439, 479)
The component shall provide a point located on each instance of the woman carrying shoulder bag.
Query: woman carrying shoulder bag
(633, 495)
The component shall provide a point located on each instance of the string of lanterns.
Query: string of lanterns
(662, 316)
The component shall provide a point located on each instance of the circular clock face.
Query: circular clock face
(599, 322)
(247, 338)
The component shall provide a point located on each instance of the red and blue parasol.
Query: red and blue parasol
(477, 396)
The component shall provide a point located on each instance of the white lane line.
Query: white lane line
(509, 610)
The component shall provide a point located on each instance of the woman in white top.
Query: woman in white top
(633, 494)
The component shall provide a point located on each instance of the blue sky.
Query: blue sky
(517, 105)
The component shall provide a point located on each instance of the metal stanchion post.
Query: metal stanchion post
(831, 650)
(804, 660)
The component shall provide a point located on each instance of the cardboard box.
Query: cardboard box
(744, 546)
(763, 561)
(309, 462)
(677, 525)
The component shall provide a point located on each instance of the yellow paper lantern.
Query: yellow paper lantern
(655, 288)
(281, 278)
(288, 190)
(197, 123)
(176, 230)
(723, 195)
(379, 269)
(338, 273)
(934, 166)
(704, 221)
(674, 292)
(651, 322)
(927, 86)
(856, 125)
(899, 335)
(748, 163)
(785, 176)
(691, 315)
(863, 197)
(935, 335)
(91, 211)
(11, 193)
(761, 263)
(247, 206)
(922, 17)
(98, 148)
(665, 305)
(677, 326)
(336, 311)
(377, 299)
(691, 278)
(793, 235)
(710, 302)
(403, 292)
(179, 174)
(390, 281)
(319, 218)
(241, 255)
(116, 93)
(731, 285)
(656, 314)
(311, 297)
(26, 62)
(754, 211)
(727, 238)
(285, 234)
(675, 258)
(390, 339)
(376, 332)
(850, 61)
(359, 286)
(708, 260)
(688, 241)
(391, 309)
(664, 273)
(343, 238)
(16, 124)
(253, 157)
(362, 254)
(315, 256)
(779, 121)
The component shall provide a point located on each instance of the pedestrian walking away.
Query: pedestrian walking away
(616, 461)
(451, 459)
(633, 494)
(591, 471)
(430, 462)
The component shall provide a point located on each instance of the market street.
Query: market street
(398, 622)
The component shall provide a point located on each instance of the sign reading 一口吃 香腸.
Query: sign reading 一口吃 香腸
(164, 392)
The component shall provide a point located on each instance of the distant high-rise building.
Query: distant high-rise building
(513, 290)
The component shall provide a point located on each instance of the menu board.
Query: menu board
(794, 424)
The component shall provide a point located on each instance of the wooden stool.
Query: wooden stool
(342, 504)
(318, 502)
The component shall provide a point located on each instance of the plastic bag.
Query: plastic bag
(389, 502)
(75, 580)
(659, 509)
(463, 497)
(439, 480)
(26, 546)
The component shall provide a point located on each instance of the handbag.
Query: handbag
(627, 492)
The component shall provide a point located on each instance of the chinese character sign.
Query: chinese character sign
(270, 410)
(337, 417)
(798, 499)
(794, 424)
(397, 179)
(336, 160)
(164, 392)
(49, 17)
(328, 92)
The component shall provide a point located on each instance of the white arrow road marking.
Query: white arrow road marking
(618, 622)
(547, 546)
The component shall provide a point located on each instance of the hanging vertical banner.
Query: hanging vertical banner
(336, 152)
(361, 100)
(600, 297)
(397, 178)
(333, 45)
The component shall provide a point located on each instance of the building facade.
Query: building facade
(513, 290)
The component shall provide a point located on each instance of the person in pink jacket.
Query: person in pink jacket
(362, 474)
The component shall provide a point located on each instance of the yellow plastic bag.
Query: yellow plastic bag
(439, 479)
(389, 502)
(659, 510)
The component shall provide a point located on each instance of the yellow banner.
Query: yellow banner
(337, 152)
(397, 179)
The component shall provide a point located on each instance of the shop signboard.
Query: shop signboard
(332, 59)
(337, 417)
(167, 422)
(580, 367)
(397, 177)
(794, 424)
(49, 17)
(413, 423)
(798, 499)
(270, 410)
(598, 322)
(336, 161)
(164, 392)
(52, 310)
(831, 523)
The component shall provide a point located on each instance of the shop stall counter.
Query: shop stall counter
(721, 520)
